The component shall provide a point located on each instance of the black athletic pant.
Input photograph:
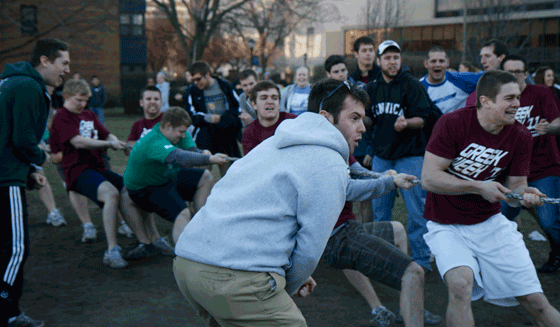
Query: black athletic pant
(14, 238)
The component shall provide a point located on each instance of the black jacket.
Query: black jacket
(357, 74)
(402, 96)
(220, 137)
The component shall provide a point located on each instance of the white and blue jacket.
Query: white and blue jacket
(452, 93)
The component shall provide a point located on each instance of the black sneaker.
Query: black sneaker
(552, 266)
(24, 321)
(430, 319)
(142, 251)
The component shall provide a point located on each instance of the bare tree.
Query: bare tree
(226, 49)
(164, 48)
(273, 21)
(66, 18)
(204, 20)
(383, 15)
(495, 19)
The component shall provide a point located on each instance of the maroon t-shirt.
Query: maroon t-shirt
(477, 155)
(471, 100)
(347, 213)
(142, 127)
(537, 102)
(53, 143)
(255, 133)
(64, 127)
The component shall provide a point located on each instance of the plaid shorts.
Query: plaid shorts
(368, 248)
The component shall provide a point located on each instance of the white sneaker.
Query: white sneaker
(113, 258)
(90, 233)
(55, 218)
(125, 230)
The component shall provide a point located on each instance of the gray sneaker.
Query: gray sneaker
(114, 259)
(55, 218)
(165, 247)
(24, 321)
(90, 233)
(125, 230)
(430, 319)
(382, 317)
(142, 251)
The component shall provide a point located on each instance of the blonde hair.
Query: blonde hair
(75, 87)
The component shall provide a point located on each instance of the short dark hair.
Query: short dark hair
(177, 116)
(436, 48)
(94, 76)
(333, 60)
(200, 67)
(152, 88)
(247, 73)
(333, 104)
(500, 47)
(365, 40)
(539, 74)
(469, 66)
(490, 84)
(263, 86)
(49, 48)
(514, 58)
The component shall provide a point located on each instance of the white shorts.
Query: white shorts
(495, 252)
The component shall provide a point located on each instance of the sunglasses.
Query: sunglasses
(345, 83)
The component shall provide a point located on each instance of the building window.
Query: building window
(132, 24)
(28, 19)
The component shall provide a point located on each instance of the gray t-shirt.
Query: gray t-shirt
(215, 99)
(245, 104)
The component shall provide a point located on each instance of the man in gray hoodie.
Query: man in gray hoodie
(267, 221)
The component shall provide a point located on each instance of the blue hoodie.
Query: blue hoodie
(275, 208)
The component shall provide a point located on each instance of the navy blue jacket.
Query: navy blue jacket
(403, 96)
(98, 97)
(220, 137)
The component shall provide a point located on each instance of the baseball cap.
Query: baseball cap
(387, 44)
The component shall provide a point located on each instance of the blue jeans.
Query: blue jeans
(549, 214)
(414, 199)
(99, 113)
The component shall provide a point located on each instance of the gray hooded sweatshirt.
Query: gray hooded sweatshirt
(275, 208)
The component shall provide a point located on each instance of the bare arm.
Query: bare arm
(435, 179)
(544, 127)
(411, 123)
(129, 146)
(80, 142)
(531, 195)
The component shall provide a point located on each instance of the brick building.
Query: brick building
(106, 37)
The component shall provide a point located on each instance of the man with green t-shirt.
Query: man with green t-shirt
(156, 177)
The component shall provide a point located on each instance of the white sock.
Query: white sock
(88, 225)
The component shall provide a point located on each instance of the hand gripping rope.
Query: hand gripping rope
(372, 175)
(543, 200)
